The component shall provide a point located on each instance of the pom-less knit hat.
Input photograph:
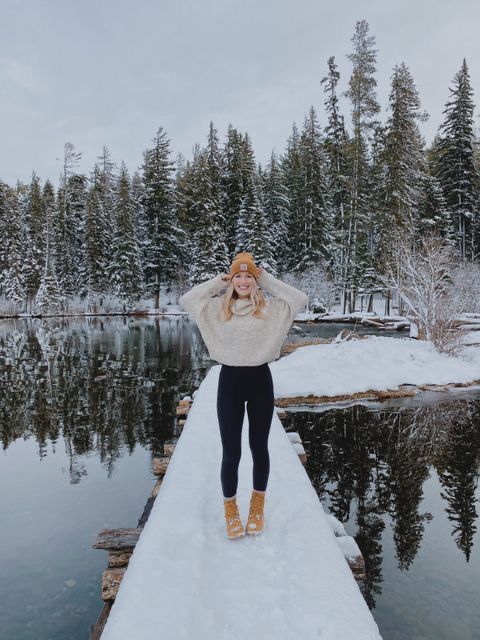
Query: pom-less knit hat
(244, 263)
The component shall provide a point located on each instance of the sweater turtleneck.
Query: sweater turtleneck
(244, 340)
(242, 306)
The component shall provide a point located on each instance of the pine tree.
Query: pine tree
(138, 198)
(291, 164)
(337, 173)
(78, 186)
(185, 208)
(48, 296)
(457, 173)
(210, 255)
(96, 240)
(125, 270)
(315, 224)
(108, 177)
(276, 207)
(252, 229)
(378, 225)
(107, 180)
(166, 249)
(4, 215)
(232, 185)
(362, 94)
(262, 242)
(69, 223)
(34, 224)
(433, 212)
(13, 255)
(404, 153)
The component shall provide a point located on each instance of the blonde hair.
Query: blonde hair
(256, 296)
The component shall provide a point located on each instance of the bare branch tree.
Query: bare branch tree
(316, 282)
(422, 277)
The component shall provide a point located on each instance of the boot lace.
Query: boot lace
(233, 516)
(256, 510)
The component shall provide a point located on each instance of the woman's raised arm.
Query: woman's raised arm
(295, 298)
(194, 300)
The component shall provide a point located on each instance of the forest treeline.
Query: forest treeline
(328, 204)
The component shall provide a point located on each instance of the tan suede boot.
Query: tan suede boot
(255, 520)
(232, 518)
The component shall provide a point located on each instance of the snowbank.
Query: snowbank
(375, 362)
(186, 580)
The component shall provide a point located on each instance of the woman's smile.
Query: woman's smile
(242, 283)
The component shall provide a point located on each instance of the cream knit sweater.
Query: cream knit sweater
(244, 340)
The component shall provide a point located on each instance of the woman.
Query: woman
(244, 332)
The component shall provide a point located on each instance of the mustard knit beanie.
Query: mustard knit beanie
(243, 262)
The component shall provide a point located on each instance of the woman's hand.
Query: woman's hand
(259, 272)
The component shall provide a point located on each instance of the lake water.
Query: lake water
(86, 404)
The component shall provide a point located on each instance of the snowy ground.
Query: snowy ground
(375, 362)
(187, 580)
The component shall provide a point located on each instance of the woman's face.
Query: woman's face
(243, 283)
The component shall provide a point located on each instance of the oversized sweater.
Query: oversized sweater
(244, 340)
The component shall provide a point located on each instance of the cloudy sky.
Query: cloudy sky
(108, 72)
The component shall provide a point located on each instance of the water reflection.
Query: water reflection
(370, 467)
(100, 386)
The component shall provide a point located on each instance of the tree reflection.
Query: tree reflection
(369, 466)
(94, 385)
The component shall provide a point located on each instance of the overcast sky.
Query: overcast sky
(108, 72)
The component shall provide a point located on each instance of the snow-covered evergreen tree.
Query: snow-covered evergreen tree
(93, 263)
(167, 240)
(253, 233)
(291, 164)
(365, 107)
(262, 244)
(210, 254)
(232, 185)
(138, 198)
(34, 224)
(48, 297)
(276, 208)
(106, 184)
(69, 224)
(404, 153)
(124, 269)
(14, 250)
(4, 213)
(377, 230)
(337, 173)
(457, 172)
(433, 212)
(315, 223)
(185, 208)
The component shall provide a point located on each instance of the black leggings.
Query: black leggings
(237, 385)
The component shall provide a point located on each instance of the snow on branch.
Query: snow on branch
(422, 275)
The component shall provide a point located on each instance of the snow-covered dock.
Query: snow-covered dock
(187, 580)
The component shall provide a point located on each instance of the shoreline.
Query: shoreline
(379, 322)
(404, 391)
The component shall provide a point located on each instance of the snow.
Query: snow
(187, 580)
(375, 362)
(337, 526)
(349, 547)
(294, 437)
(298, 447)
